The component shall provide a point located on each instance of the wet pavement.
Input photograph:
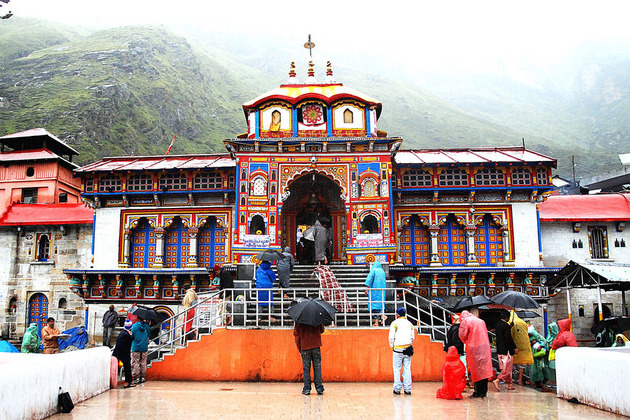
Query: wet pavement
(254, 400)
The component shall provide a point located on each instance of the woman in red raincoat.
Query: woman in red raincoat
(474, 334)
(453, 377)
(565, 338)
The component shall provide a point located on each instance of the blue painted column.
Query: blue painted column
(329, 125)
(368, 123)
(294, 118)
(257, 123)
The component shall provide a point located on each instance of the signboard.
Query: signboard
(207, 312)
(369, 240)
(256, 241)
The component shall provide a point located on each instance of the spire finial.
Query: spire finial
(292, 71)
(329, 73)
(311, 69)
(310, 45)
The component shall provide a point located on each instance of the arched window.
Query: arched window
(143, 245)
(63, 303)
(415, 243)
(43, 247)
(257, 225)
(111, 183)
(452, 243)
(489, 242)
(370, 224)
(140, 182)
(348, 116)
(13, 305)
(212, 248)
(490, 176)
(259, 186)
(369, 188)
(417, 178)
(177, 247)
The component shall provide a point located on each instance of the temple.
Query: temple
(447, 222)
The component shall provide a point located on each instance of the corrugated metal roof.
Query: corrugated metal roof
(41, 154)
(578, 208)
(47, 214)
(155, 163)
(470, 156)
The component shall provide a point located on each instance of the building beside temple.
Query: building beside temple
(44, 228)
(449, 222)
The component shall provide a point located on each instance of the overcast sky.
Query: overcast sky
(469, 34)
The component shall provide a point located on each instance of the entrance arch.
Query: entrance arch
(312, 197)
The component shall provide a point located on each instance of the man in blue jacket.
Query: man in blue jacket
(140, 345)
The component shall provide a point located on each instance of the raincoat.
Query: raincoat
(453, 377)
(552, 333)
(521, 339)
(321, 241)
(30, 341)
(565, 338)
(190, 298)
(376, 280)
(539, 367)
(264, 280)
(285, 266)
(474, 334)
(620, 337)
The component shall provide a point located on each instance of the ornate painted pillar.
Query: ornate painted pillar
(471, 252)
(471, 284)
(174, 287)
(85, 286)
(434, 285)
(119, 284)
(508, 260)
(137, 286)
(101, 285)
(193, 234)
(126, 257)
(160, 232)
(156, 287)
(434, 231)
(453, 284)
(193, 282)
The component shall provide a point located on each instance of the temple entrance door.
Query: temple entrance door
(315, 197)
(38, 310)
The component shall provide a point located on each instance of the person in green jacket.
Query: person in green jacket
(30, 341)
(538, 370)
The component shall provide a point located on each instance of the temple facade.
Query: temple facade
(449, 222)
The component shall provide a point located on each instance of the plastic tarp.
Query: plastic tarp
(6, 347)
(78, 338)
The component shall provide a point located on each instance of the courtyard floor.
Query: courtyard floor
(254, 400)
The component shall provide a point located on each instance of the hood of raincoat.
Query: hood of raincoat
(623, 337)
(452, 354)
(376, 265)
(535, 334)
(32, 328)
(287, 249)
(564, 325)
(464, 315)
(317, 223)
(552, 332)
(265, 265)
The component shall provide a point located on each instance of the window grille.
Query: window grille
(521, 177)
(208, 181)
(110, 183)
(417, 178)
(173, 181)
(453, 177)
(259, 186)
(598, 242)
(89, 185)
(542, 178)
(140, 182)
(490, 176)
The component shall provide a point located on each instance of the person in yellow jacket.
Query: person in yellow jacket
(524, 357)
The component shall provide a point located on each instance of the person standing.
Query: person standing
(308, 340)
(190, 299)
(226, 284)
(50, 336)
(122, 351)
(139, 347)
(320, 235)
(285, 267)
(265, 277)
(110, 318)
(401, 336)
(524, 357)
(565, 338)
(453, 340)
(376, 279)
(474, 334)
(30, 341)
(505, 350)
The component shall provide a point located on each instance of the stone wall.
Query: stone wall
(22, 276)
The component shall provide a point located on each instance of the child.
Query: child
(453, 377)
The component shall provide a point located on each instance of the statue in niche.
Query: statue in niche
(275, 121)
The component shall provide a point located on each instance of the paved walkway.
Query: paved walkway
(237, 400)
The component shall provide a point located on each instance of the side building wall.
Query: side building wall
(23, 278)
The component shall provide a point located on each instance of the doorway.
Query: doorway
(38, 311)
(312, 197)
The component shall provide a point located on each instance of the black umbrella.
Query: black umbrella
(269, 255)
(515, 299)
(145, 313)
(527, 314)
(312, 312)
(619, 324)
(471, 302)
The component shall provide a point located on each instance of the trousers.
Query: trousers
(312, 357)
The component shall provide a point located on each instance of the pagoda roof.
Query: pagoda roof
(37, 138)
(20, 214)
(472, 156)
(159, 163)
(585, 208)
(329, 93)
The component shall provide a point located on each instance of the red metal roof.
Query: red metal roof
(158, 163)
(41, 154)
(47, 214)
(480, 156)
(578, 208)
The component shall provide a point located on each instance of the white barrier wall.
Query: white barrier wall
(595, 376)
(29, 383)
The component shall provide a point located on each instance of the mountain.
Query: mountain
(129, 90)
